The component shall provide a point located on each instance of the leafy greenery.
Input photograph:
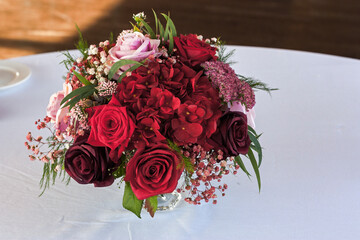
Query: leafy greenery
(241, 164)
(111, 38)
(166, 35)
(68, 62)
(82, 45)
(116, 66)
(131, 202)
(186, 163)
(82, 79)
(50, 173)
(255, 144)
(224, 56)
(151, 204)
(77, 95)
(255, 167)
(256, 84)
(121, 170)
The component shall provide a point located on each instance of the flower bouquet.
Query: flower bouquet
(148, 109)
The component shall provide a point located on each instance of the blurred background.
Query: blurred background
(324, 26)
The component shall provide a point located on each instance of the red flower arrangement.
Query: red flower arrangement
(148, 109)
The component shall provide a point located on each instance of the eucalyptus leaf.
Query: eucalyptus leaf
(171, 42)
(77, 92)
(128, 70)
(76, 99)
(252, 130)
(171, 24)
(131, 202)
(117, 65)
(82, 79)
(161, 30)
(167, 30)
(156, 22)
(241, 164)
(256, 146)
(255, 167)
(148, 29)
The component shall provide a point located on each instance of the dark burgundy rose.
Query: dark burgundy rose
(232, 134)
(152, 171)
(193, 51)
(88, 164)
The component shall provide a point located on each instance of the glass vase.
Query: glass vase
(169, 201)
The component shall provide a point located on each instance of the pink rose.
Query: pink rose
(54, 104)
(238, 107)
(62, 119)
(134, 46)
(62, 115)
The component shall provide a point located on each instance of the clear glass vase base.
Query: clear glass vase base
(168, 201)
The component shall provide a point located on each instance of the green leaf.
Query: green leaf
(148, 29)
(151, 204)
(171, 24)
(76, 99)
(171, 43)
(82, 45)
(82, 79)
(156, 22)
(186, 162)
(167, 30)
(161, 29)
(128, 70)
(239, 161)
(116, 66)
(77, 92)
(251, 130)
(111, 38)
(121, 170)
(255, 167)
(256, 146)
(131, 202)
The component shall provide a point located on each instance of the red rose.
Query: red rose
(193, 51)
(153, 171)
(111, 126)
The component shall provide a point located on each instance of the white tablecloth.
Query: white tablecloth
(310, 170)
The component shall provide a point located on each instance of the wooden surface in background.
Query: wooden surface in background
(325, 26)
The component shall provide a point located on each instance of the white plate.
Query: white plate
(12, 73)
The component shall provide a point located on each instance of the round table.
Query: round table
(310, 170)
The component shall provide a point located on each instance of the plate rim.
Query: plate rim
(23, 70)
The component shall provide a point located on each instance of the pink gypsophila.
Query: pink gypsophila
(231, 88)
